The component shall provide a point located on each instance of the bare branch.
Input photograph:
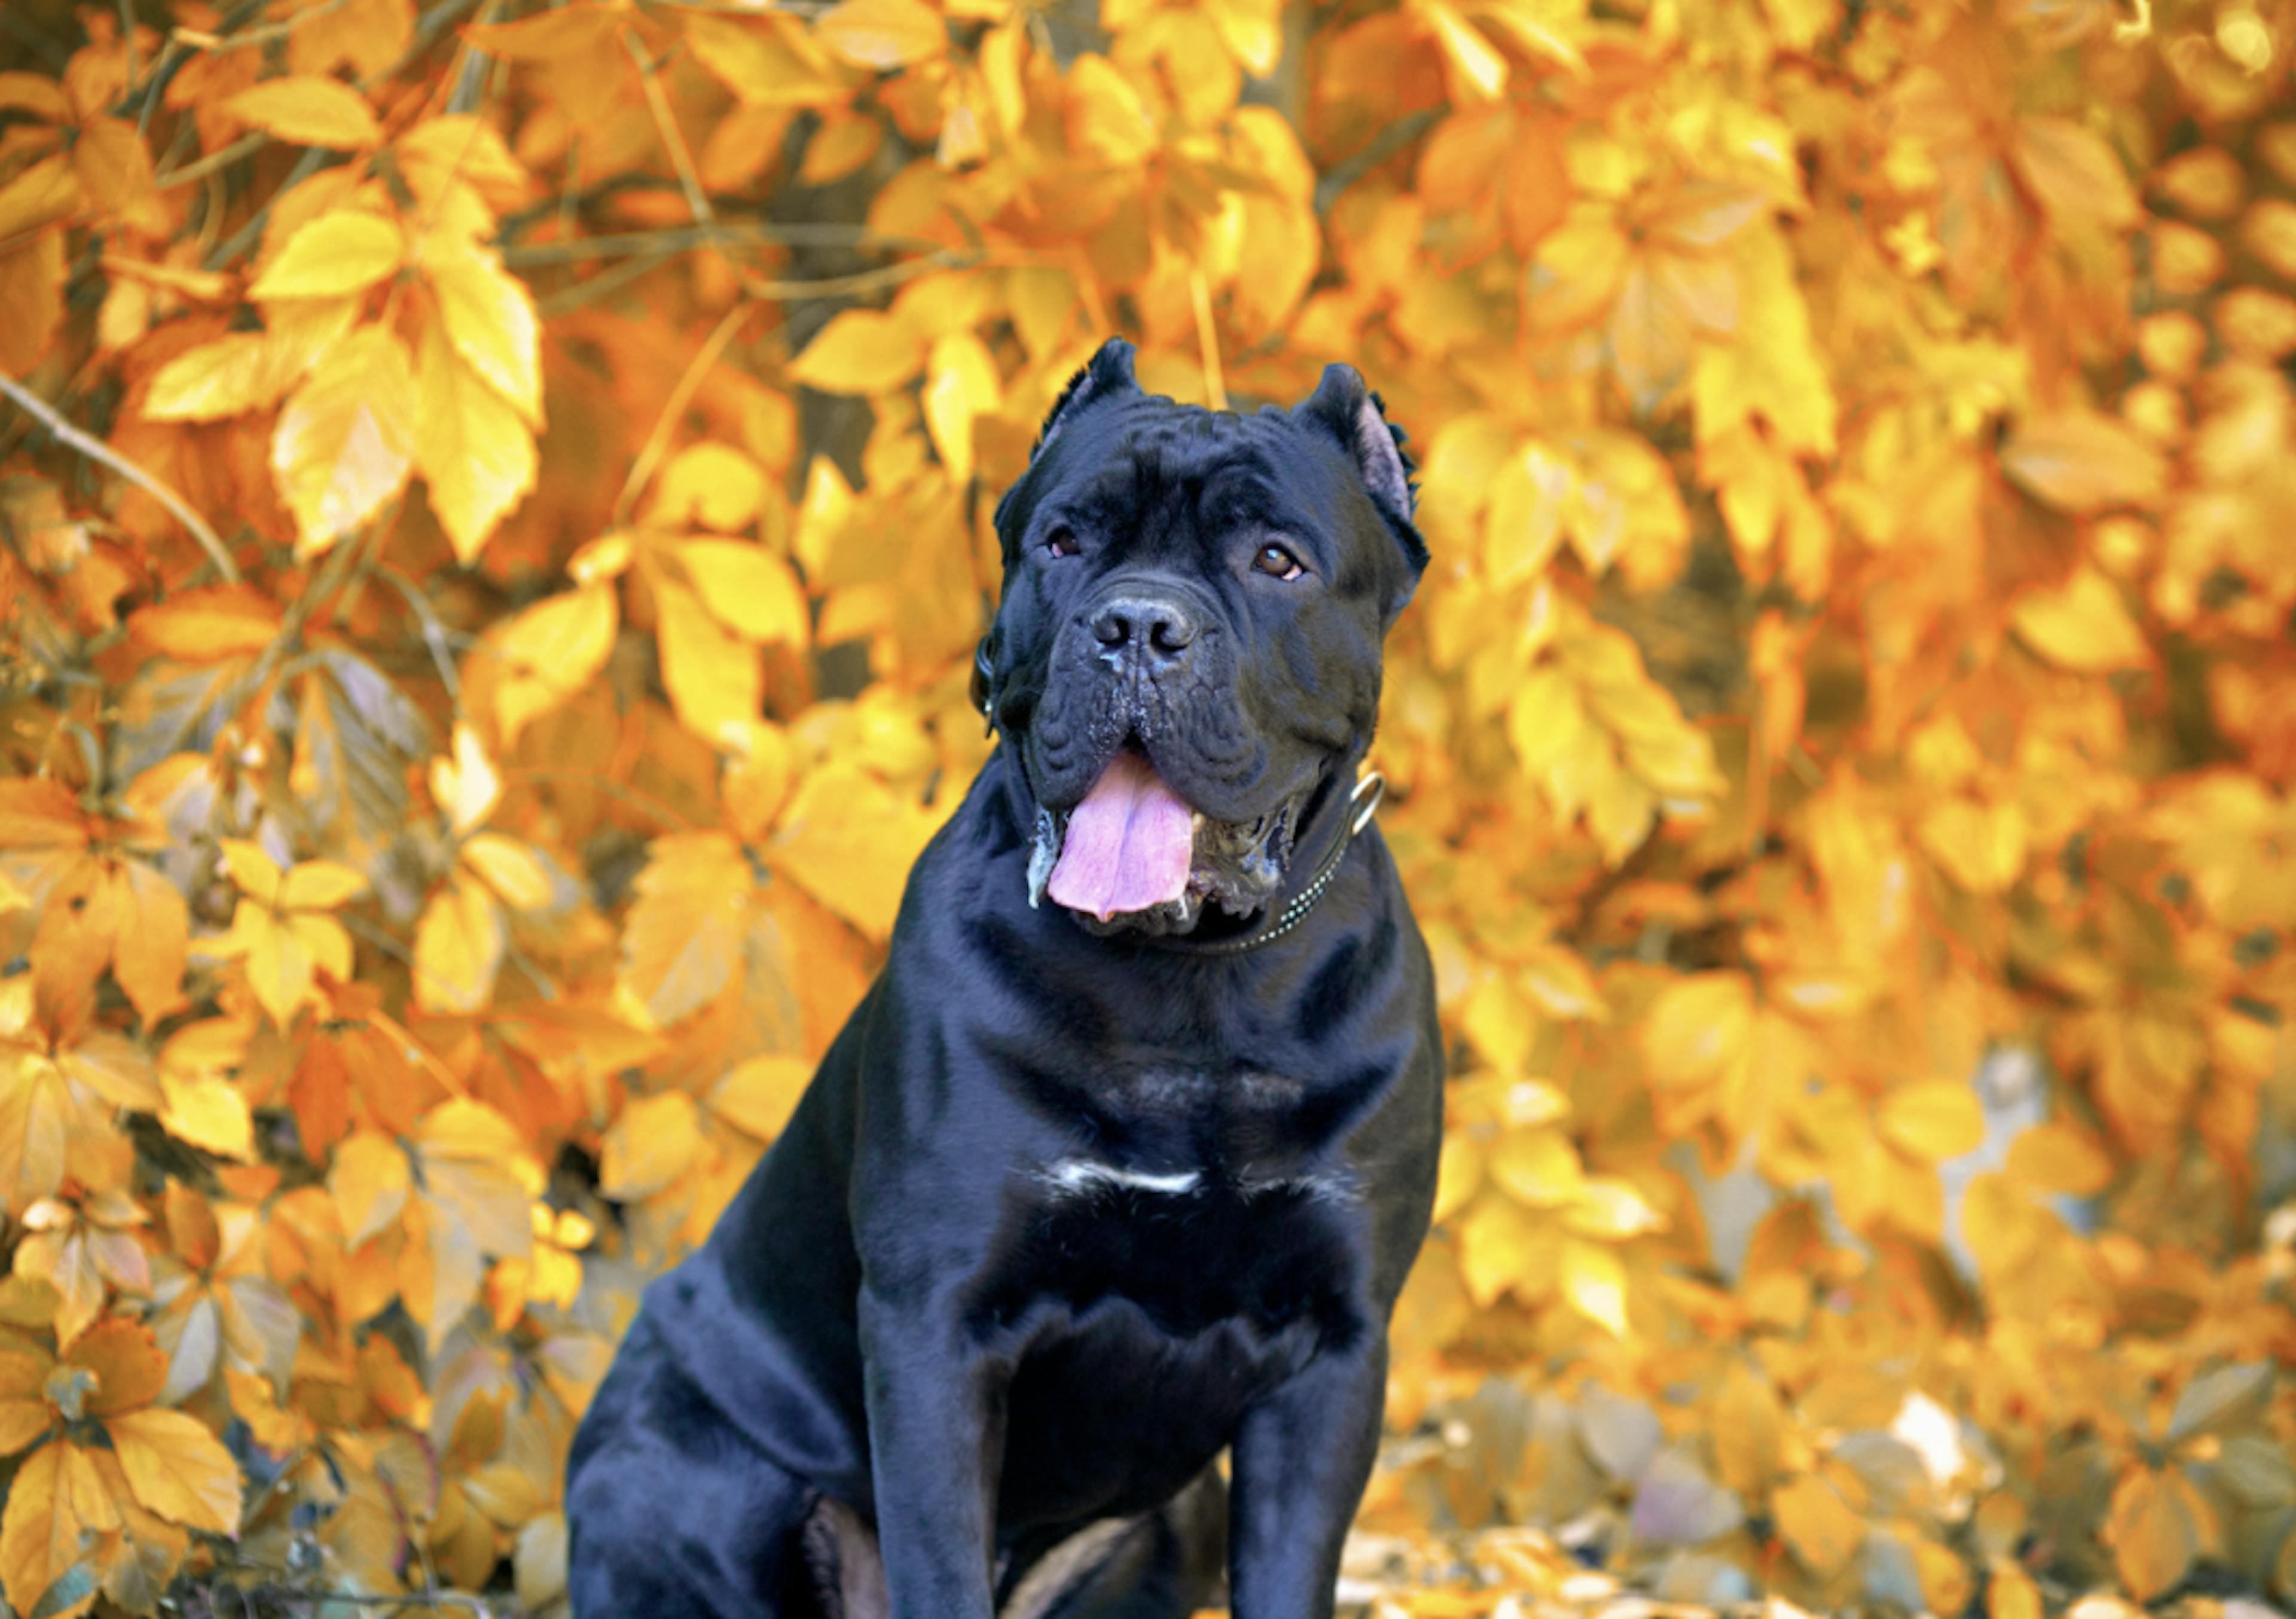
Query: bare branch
(97, 450)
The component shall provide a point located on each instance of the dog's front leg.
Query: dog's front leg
(936, 1447)
(1301, 1459)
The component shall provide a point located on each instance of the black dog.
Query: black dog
(1085, 1192)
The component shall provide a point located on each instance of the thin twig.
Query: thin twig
(434, 633)
(642, 469)
(219, 45)
(254, 140)
(567, 299)
(96, 449)
(680, 159)
(719, 234)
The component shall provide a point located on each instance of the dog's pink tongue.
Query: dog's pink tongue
(1130, 843)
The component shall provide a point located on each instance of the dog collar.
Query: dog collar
(1363, 803)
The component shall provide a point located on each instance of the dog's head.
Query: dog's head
(1186, 653)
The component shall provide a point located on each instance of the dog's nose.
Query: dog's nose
(1149, 625)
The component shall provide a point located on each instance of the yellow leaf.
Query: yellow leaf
(2060, 1158)
(860, 351)
(961, 383)
(1458, 1174)
(1594, 1282)
(714, 680)
(1475, 64)
(254, 871)
(466, 785)
(2156, 1524)
(512, 870)
(1933, 1120)
(1539, 1168)
(210, 1113)
(747, 588)
(177, 1469)
(346, 438)
(490, 317)
(1612, 1208)
(1814, 1520)
(683, 939)
(1748, 1425)
(1503, 1249)
(849, 842)
(2083, 461)
(649, 1146)
(2083, 627)
(1524, 523)
(224, 378)
(1697, 1024)
(885, 35)
(310, 111)
(458, 947)
(2010, 1593)
(318, 885)
(714, 485)
(477, 456)
(335, 256)
(757, 1097)
(548, 652)
(369, 1181)
(42, 1539)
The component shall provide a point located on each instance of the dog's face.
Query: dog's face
(1187, 646)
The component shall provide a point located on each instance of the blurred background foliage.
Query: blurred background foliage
(495, 511)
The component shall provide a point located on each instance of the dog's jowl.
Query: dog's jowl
(1122, 1161)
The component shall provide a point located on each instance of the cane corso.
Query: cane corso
(1121, 1162)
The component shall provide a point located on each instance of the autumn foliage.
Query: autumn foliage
(497, 515)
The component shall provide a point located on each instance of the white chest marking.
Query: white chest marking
(1074, 1175)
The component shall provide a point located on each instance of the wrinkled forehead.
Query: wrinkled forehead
(1155, 458)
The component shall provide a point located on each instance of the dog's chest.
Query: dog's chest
(1198, 1203)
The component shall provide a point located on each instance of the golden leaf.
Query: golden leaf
(369, 1182)
(546, 653)
(859, 351)
(651, 1144)
(747, 588)
(488, 316)
(758, 1096)
(335, 256)
(477, 456)
(42, 1539)
(1820, 1527)
(458, 947)
(345, 440)
(1933, 1120)
(177, 1469)
(2083, 627)
(885, 35)
(311, 110)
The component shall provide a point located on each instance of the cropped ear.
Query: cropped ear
(1343, 406)
(1108, 373)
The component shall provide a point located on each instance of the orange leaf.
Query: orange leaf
(885, 35)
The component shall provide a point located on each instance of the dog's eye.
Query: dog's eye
(1276, 561)
(1060, 542)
